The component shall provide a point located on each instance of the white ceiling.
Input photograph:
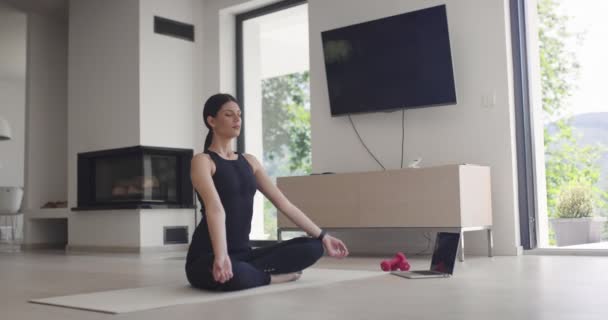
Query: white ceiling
(56, 8)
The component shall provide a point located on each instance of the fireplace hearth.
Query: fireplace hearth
(138, 177)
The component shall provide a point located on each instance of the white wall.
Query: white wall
(108, 228)
(170, 92)
(153, 222)
(46, 150)
(131, 230)
(103, 106)
(464, 133)
(129, 86)
(169, 85)
(13, 26)
(103, 81)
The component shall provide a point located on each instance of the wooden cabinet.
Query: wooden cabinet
(450, 196)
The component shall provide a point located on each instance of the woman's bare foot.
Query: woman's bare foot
(285, 277)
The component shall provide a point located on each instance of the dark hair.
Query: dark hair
(212, 106)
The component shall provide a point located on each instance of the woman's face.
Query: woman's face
(227, 122)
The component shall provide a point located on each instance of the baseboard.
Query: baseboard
(567, 252)
(117, 249)
(168, 248)
(101, 249)
(43, 246)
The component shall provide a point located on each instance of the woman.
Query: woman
(219, 257)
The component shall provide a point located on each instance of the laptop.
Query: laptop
(442, 263)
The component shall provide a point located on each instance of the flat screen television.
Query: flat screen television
(401, 61)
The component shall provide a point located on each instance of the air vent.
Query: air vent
(174, 28)
(174, 235)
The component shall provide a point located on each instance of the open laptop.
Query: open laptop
(442, 263)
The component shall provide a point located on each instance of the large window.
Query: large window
(572, 42)
(273, 89)
(567, 46)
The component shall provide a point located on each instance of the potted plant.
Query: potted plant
(575, 222)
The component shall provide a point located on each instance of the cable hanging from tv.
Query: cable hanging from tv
(363, 143)
(365, 146)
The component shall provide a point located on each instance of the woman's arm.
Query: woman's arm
(334, 246)
(278, 199)
(202, 181)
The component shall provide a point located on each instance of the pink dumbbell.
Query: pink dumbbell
(398, 262)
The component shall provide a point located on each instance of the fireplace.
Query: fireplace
(133, 178)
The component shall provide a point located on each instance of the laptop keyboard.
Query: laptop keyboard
(425, 273)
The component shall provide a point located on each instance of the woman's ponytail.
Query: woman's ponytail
(208, 140)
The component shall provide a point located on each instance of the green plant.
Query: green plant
(286, 132)
(575, 201)
(286, 124)
(552, 239)
(270, 220)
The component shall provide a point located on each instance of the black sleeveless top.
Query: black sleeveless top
(236, 186)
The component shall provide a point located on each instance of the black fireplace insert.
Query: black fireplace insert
(135, 177)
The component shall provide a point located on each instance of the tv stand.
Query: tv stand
(453, 198)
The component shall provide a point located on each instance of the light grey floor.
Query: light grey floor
(525, 287)
(596, 245)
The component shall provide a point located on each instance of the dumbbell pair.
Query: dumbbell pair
(399, 262)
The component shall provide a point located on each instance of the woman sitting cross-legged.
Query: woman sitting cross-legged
(219, 257)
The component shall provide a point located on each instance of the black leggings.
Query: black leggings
(253, 268)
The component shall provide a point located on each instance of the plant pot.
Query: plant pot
(572, 231)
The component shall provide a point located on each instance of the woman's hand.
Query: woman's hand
(222, 269)
(334, 247)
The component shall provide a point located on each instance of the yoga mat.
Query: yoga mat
(145, 298)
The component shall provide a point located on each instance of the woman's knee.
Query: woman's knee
(244, 276)
(313, 249)
(319, 250)
(206, 282)
(201, 279)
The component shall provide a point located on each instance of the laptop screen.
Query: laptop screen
(444, 254)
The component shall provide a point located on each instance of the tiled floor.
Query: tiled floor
(525, 287)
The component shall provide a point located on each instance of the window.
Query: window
(273, 88)
(564, 49)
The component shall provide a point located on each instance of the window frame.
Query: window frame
(527, 190)
(240, 83)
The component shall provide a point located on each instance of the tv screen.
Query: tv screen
(402, 61)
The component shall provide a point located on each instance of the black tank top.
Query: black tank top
(235, 183)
